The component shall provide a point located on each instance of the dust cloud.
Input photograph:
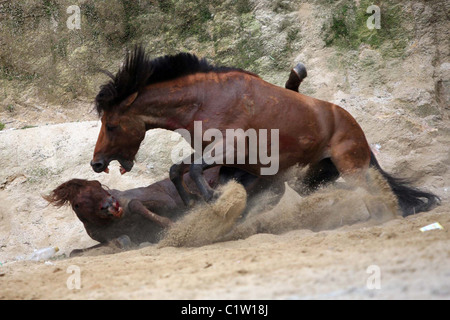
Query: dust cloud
(208, 222)
(331, 207)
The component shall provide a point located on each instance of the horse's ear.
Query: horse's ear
(128, 101)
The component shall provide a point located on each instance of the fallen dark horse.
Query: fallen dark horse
(141, 214)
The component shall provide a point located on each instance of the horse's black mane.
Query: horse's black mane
(138, 71)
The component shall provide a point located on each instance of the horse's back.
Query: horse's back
(294, 113)
(318, 125)
(331, 118)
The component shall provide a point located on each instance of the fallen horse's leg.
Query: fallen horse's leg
(121, 243)
(137, 206)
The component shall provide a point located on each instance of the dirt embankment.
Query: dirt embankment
(316, 247)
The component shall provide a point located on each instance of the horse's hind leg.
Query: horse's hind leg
(319, 174)
(352, 161)
(381, 202)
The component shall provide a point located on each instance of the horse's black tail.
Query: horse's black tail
(297, 75)
(411, 200)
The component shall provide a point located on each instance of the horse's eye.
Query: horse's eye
(111, 128)
(77, 206)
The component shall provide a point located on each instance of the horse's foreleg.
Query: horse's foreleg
(196, 174)
(78, 252)
(176, 176)
(122, 242)
(138, 207)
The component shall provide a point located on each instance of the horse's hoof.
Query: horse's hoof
(76, 253)
(193, 200)
(213, 197)
(123, 242)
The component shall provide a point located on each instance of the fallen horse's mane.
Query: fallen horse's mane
(67, 191)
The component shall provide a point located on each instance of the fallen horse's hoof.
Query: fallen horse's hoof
(122, 242)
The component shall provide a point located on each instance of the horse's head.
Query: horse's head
(120, 137)
(122, 130)
(88, 199)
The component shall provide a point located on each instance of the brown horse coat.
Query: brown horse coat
(175, 92)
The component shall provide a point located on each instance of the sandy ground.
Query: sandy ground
(297, 265)
(316, 247)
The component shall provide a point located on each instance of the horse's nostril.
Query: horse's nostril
(98, 166)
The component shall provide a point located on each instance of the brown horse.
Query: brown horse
(141, 214)
(178, 92)
(252, 184)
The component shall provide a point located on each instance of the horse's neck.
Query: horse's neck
(174, 104)
(170, 105)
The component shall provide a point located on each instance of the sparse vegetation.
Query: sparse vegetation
(63, 64)
(347, 28)
(40, 174)
(28, 127)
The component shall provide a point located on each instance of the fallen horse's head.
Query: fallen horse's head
(90, 201)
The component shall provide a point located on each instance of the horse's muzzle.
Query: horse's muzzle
(99, 165)
(111, 208)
